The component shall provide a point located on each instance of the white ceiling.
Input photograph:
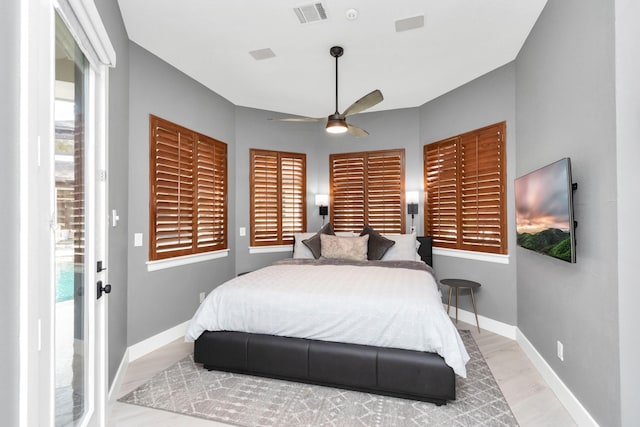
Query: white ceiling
(210, 41)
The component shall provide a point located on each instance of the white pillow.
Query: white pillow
(351, 248)
(300, 250)
(405, 249)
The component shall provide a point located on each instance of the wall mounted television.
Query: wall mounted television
(544, 211)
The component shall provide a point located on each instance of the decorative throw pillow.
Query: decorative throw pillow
(299, 248)
(405, 249)
(351, 248)
(378, 244)
(313, 243)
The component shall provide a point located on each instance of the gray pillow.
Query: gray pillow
(378, 244)
(313, 242)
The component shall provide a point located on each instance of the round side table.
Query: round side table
(458, 284)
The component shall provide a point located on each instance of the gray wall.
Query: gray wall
(162, 299)
(118, 140)
(387, 130)
(254, 130)
(566, 108)
(486, 100)
(628, 152)
(10, 211)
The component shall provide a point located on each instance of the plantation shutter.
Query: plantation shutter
(441, 192)
(278, 196)
(188, 191)
(464, 191)
(211, 195)
(264, 201)
(347, 187)
(482, 206)
(385, 191)
(367, 188)
(293, 195)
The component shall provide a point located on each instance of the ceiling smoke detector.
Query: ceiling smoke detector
(351, 14)
(312, 12)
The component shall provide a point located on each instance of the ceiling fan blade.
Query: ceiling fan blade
(356, 131)
(367, 101)
(300, 119)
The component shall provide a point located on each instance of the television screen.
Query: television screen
(544, 211)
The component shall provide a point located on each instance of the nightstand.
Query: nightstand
(458, 284)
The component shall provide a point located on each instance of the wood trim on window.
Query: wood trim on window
(464, 181)
(188, 191)
(278, 187)
(367, 188)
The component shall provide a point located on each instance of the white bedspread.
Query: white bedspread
(379, 306)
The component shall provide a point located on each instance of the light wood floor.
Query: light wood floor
(533, 403)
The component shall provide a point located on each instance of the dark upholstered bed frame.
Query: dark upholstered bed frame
(388, 371)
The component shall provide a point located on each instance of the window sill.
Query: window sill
(477, 256)
(270, 249)
(184, 260)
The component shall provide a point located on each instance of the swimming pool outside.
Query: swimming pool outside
(65, 272)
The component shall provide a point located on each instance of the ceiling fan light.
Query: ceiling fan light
(336, 124)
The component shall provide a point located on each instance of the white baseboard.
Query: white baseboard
(486, 323)
(580, 415)
(119, 378)
(138, 350)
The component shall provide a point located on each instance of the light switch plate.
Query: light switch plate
(243, 231)
(137, 239)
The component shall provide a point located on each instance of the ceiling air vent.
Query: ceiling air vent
(310, 13)
(261, 54)
(409, 23)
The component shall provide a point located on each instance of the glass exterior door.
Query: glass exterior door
(71, 351)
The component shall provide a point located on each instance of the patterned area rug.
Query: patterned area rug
(244, 400)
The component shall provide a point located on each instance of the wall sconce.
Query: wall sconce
(322, 201)
(411, 198)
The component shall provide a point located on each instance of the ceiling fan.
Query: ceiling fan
(336, 122)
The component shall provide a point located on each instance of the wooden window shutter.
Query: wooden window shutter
(293, 190)
(347, 188)
(211, 200)
(187, 201)
(367, 188)
(385, 191)
(278, 196)
(482, 177)
(465, 203)
(441, 192)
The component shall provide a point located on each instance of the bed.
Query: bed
(321, 322)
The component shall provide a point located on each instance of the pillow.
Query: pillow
(299, 248)
(351, 248)
(378, 244)
(405, 249)
(313, 242)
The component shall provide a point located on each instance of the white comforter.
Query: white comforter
(379, 306)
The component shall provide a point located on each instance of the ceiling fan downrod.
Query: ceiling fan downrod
(336, 52)
(336, 123)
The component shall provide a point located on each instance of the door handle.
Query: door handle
(106, 289)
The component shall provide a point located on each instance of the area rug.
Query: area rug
(248, 401)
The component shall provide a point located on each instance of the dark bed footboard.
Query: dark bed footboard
(393, 372)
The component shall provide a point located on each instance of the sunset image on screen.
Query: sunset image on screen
(542, 210)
